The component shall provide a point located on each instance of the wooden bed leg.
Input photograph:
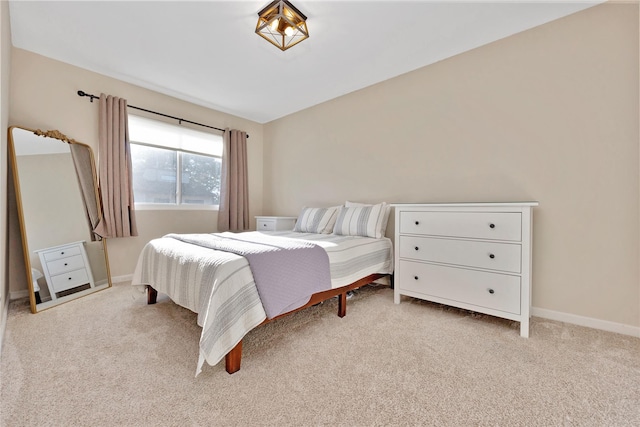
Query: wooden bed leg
(233, 358)
(342, 304)
(152, 295)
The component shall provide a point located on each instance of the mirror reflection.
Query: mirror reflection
(55, 184)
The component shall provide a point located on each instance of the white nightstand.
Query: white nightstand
(275, 223)
(65, 267)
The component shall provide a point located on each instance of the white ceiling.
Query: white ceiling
(206, 52)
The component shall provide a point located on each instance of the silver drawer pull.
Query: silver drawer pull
(492, 256)
(491, 291)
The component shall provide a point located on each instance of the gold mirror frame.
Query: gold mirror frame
(54, 134)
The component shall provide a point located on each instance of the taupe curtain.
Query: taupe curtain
(116, 184)
(234, 189)
(83, 163)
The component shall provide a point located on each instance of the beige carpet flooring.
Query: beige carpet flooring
(108, 359)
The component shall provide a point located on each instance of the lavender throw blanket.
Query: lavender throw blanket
(286, 272)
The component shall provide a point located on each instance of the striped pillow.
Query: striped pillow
(316, 220)
(367, 220)
(387, 212)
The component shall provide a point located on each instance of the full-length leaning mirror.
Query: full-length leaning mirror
(58, 207)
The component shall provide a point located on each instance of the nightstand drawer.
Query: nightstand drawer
(69, 280)
(472, 253)
(66, 264)
(61, 253)
(266, 225)
(483, 289)
(476, 225)
(275, 223)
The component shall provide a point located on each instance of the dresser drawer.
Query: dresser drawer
(71, 279)
(476, 225)
(483, 289)
(61, 253)
(472, 253)
(65, 264)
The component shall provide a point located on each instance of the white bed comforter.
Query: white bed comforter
(219, 286)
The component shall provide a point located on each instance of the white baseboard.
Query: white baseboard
(605, 325)
(119, 279)
(13, 295)
(18, 294)
(3, 322)
(559, 316)
(589, 322)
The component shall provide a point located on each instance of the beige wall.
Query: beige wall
(44, 199)
(5, 69)
(43, 95)
(47, 191)
(550, 114)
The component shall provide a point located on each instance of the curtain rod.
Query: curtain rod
(92, 97)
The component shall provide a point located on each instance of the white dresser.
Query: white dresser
(275, 223)
(65, 267)
(475, 256)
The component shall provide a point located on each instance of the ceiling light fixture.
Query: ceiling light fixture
(282, 24)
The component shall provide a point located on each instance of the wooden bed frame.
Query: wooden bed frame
(234, 357)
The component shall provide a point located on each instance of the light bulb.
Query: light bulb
(288, 31)
(274, 24)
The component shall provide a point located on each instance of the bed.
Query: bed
(219, 284)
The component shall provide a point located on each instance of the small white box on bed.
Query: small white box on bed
(275, 223)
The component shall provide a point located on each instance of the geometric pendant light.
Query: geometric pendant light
(282, 24)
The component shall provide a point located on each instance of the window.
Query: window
(174, 166)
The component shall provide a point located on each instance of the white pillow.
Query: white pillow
(358, 219)
(316, 220)
(386, 213)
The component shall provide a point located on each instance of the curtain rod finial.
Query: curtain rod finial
(83, 93)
